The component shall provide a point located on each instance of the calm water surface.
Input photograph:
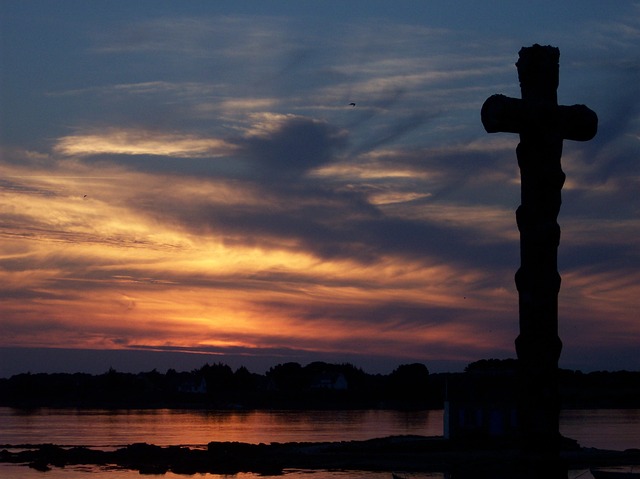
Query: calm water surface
(98, 427)
(22, 472)
(617, 429)
(612, 429)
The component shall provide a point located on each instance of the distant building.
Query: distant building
(333, 381)
(480, 406)
(194, 386)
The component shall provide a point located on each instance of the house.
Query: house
(333, 381)
(194, 386)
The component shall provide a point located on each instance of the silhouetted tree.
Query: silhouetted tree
(492, 365)
(219, 377)
(409, 381)
(288, 377)
(244, 381)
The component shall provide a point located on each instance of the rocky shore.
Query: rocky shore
(397, 453)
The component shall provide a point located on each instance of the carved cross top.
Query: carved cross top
(538, 109)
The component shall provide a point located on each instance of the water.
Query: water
(616, 429)
(22, 472)
(163, 427)
(602, 428)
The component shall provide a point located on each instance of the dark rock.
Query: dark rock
(39, 465)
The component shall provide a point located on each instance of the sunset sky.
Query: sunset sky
(186, 181)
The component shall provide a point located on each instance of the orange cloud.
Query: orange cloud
(93, 260)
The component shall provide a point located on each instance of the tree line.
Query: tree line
(317, 385)
(287, 385)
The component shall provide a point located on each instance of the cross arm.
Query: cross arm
(512, 115)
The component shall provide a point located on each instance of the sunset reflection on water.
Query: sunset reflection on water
(96, 427)
(610, 429)
(8, 471)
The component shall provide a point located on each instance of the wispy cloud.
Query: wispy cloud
(141, 142)
(127, 263)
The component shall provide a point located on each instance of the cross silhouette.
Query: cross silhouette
(542, 125)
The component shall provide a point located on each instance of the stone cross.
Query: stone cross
(542, 125)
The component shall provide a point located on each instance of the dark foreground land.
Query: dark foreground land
(398, 453)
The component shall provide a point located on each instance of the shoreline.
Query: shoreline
(393, 453)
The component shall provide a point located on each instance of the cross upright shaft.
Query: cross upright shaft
(542, 126)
